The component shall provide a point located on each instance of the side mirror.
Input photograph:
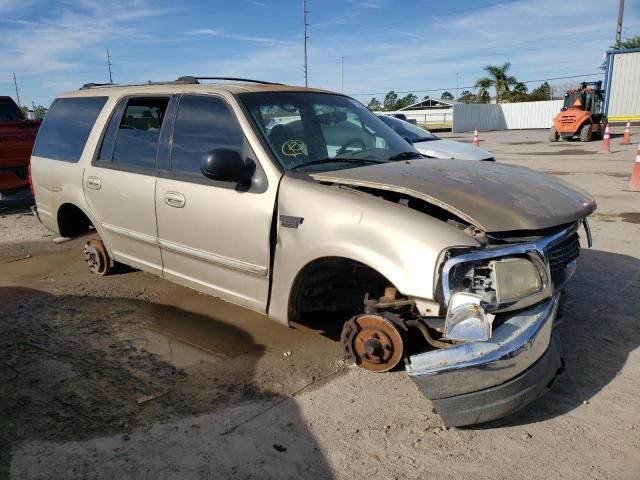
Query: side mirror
(224, 165)
(408, 140)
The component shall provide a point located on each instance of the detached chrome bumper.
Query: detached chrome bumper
(483, 381)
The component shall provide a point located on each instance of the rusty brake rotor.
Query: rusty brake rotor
(97, 257)
(373, 342)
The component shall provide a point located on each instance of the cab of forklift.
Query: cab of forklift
(586, 98)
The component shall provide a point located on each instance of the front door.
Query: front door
(214, 235)
(120, 183)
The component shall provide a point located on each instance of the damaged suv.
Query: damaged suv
(288, 200)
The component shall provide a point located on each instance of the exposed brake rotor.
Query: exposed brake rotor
(97, 257)
(373, 342)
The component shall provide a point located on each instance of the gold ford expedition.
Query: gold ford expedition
(287, 200)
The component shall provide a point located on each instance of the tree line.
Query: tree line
(38, 111)
(507, 88)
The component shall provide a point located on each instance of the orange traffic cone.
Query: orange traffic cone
(476, 140)
(634, 182)
(626, 139)
(606, 141)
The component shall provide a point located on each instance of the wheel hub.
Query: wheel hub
(373, 342)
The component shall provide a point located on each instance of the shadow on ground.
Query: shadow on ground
(599, 330)
(79, 399)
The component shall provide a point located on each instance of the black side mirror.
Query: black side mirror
(224, 165)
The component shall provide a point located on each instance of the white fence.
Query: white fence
(504, 116)
(441, 117)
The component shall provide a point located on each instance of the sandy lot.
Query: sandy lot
(130, 376)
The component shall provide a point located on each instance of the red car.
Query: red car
(17, 135)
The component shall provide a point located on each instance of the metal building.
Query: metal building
(622, 86)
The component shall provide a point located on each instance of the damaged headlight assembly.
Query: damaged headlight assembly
(478, 288)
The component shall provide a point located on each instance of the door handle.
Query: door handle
(94, 182)
(174, 199)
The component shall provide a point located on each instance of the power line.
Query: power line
(473, 86)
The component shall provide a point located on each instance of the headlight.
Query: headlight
(514, 278)
(500, 282)
(466, 319)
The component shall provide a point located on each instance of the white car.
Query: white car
(435, 147)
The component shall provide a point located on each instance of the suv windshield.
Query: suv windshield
(317, 131)
(407, 130)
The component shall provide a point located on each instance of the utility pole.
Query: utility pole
(109, 65)
(341, 74)
(619, 25)
(304, 19)
(15, 83)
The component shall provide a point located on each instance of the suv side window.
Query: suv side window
(67, 126)
(131, 139)
(203, 123)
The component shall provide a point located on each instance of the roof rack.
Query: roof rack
(187, 79)
(192, 79)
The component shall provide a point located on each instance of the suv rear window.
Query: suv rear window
(131, 139)
(66, 127)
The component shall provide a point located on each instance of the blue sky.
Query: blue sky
(409, 45)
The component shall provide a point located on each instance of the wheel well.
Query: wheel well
(333, 284)
(72, 221)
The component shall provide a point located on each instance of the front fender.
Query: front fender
(400, 243)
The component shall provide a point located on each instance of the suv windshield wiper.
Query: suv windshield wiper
(403, 156)
(335, 160)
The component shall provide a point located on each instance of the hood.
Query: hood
(494, 197)
(451, 149)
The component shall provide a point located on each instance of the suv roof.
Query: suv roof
(187, 84)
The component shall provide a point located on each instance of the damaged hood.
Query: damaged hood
(494, 197)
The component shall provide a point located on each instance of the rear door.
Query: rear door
(214, 235)
(120, 183)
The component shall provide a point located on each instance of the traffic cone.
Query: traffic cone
(626, 139)
(634, 181)
(606, 141)
(476, 140)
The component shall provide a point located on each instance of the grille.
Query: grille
(563, 253)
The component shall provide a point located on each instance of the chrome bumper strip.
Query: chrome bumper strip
(515, 345)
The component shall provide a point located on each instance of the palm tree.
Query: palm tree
(633, 42)
(498, 78)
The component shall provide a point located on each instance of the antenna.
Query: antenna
(15, 83)
(304, 19)
(341, 74)
(109, 65)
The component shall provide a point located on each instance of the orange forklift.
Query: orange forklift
(581, 116)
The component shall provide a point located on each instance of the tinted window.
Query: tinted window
(9, 110)
(136, 138)
(66, 127)
(202, 124)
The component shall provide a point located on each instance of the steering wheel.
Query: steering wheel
(349, 143)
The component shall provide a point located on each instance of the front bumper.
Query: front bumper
(479, 382)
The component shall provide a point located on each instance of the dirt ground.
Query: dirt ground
(130, 376)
